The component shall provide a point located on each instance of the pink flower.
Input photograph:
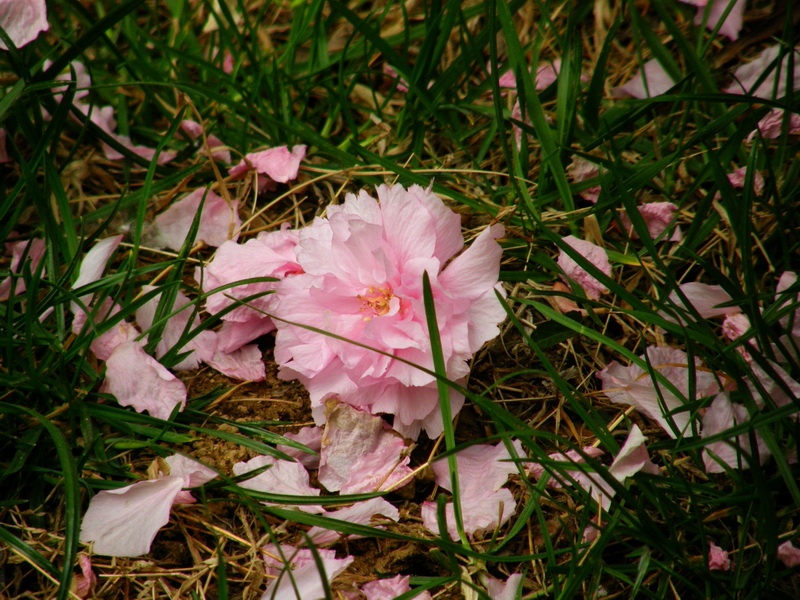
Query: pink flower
(275, 165)
(657, 216)
(634, 385)
(718, 559)
(650, 82)
(788, 554)
(22, 20)
(772, 86)
(125, 521)
(572, 270)
(295, 574)
(363, 267)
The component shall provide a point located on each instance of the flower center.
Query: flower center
(376, 302)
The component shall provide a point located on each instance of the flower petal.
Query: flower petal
(219, 221)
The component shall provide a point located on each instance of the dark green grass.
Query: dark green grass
(320, 82)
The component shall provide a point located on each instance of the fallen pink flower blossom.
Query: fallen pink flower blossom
(138, 380)
(734, 453)
(731, 24)
(788, 554)
(657, 216)
(509, 590)
(360, 513)
(282, 477)
(485, 504)
(359, 453)
(651, 81)
(194, 130)
(635, 386)
(275, 165)
(706, 299)
(362, 281)
(296, 575)
(86, 580)
(771, 125)
(718, 559)
(269, 255)
(391, 588)
(24, 254)
(773, 86)
(219, 221)
(125, 521)
(22, 20)
(572, 270)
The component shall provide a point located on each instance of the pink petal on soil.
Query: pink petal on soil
(93, 266)
(278, 164)
(194, 473)
(391, 588)
(219, 221)
(83, 583)
(33, 251)
(360, 453)
(295, 575)
(481, 513)
(22, 20)
(508, 590)
(311, 437)
(282, 477)
(581, 169)
(732, 23)
(706, 299)
(738, 178)
(657, 79)
(572, 270)
(771, 125)
(657, 216)
(774, 85)
(124, 522)
(194, 130)
(721, 416)
(138, 380)
(361, 513)
(244, 364)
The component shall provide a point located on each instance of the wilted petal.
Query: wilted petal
(361, 513)
(735, 453)
(124, 522)
(774, 84)
(83, 583)
(22, 20)
(389, 589)
(788, 554)
(651, 82)
(633, 457)
(718, 559)
(296, 575)
(219, 221)
(359, 454)
(634, 385)
(138, 380)
(593, 254)
(508, 590)
(706, 299)
(282, 477)
(93, 266)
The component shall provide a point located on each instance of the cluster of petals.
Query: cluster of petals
(22, 20)
(573, 271)
(357, 276)
(718, 559)
(125, 521)
(654, 396)
(485, 504)
(720, 13)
